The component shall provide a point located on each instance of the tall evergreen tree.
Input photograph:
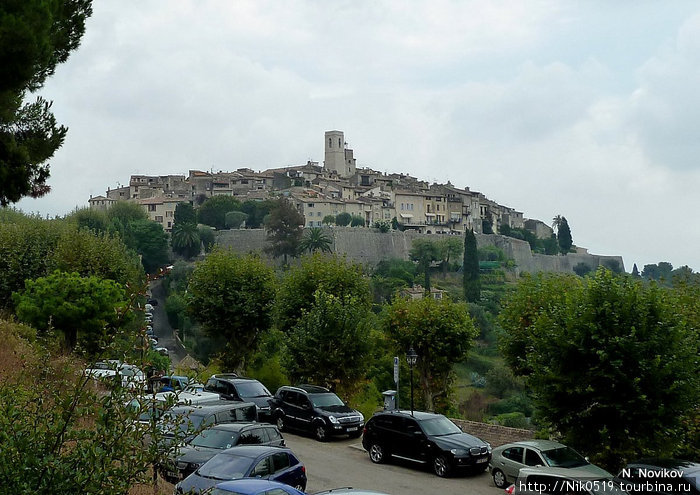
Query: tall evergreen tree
(470, 270)
(564, 236)
(635, 271)
(35, 36)
(284, 230)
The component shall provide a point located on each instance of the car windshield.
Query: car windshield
(225, 467)
(439, 426)
(250, 389)
(565, 457)
(215, 439)
(221, 491)
(326, 400)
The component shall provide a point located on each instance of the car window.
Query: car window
(280, 461)
(252, 388)
(252, 437)
(262, 468)
(273, 434)
(532, 458)
(326, 400)
(514, 454)
(439, 426)
(276, 491)
(292, 398)
(215, 439)
(410, 426)
(225, 467)
(564, 457)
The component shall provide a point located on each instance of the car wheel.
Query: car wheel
(499, 479)
(377, 454)
(280, 423)
(320, 432)
(441, 467)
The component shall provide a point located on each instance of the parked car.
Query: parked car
(233, 387)
(508, 459)
(187, 458)
(182, 423)
(128, 375)
(545, 480)
(253, 486)
(177, 383)
(249, 461)
(349, 491)
(424, 438)
(315, 410)
(665, 476)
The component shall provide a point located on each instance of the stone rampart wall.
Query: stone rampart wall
(369, 246)
(496, 435)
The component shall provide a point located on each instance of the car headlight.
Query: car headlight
(459, 452)
(333, 420)
(362, 416)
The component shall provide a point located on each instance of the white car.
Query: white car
(131, 376)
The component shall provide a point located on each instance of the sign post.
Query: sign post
(396, 379)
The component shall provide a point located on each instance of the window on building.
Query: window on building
(159, 218)
(330, 143)
(170, 224)
(402, 206)
(318, 214)
(151, 207)
(169, 213)
(340, 144)
(311, 205)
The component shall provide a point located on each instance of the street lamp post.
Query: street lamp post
(411, 358)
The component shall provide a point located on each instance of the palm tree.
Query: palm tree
(185, 240)
(557, 221)
(315, 240)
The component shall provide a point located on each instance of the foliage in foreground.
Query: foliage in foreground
(612, 362)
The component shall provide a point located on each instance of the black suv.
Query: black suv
(425, 438)
(230, 386)
(316, 410)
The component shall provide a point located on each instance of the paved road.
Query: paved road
(161, 327)
(343, 462)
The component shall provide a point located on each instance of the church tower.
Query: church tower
(337, 157)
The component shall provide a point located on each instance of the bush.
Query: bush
(582, 269)
(501, 380)
(512, 420)
(519, 402)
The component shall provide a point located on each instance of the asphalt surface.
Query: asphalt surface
(161, 327)
(343, 462)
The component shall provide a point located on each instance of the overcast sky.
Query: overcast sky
(589, 110)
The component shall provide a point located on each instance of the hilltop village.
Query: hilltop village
(338, 186)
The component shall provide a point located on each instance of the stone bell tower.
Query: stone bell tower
(337, 157)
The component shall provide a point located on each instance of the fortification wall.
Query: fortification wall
(369, 246)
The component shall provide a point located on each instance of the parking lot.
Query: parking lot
(343, 462)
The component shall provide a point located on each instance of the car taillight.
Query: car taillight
(364, 430)
(303, 469)
(510, 490)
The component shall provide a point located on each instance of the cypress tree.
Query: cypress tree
(470, 270)
(564, 236)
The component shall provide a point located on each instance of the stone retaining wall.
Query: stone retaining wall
(369, 247)
(494, 434)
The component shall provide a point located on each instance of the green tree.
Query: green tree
(232, 297)
(90, 218)
(206, 235)
(81, 308)
(315, 240)
(121, 213)
(441, 332)
(582, 269)
(383, 226)
(330, 343)
(150, 241)
(564, 236)
(213, 211)
(357, 221)
(35, 36)
(184, 239)
(234, 219)
(330, 274)
(449, 249)
(185, 213)
(424, 252)
(635, 271)
(343, 219)
(611, 362)
(329, 220)
(284, 230)
(256, 211)
(470, 268)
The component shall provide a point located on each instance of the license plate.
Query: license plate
(354, 428)
(483, 459)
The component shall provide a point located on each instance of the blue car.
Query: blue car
(250, 461)
(253, 486)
